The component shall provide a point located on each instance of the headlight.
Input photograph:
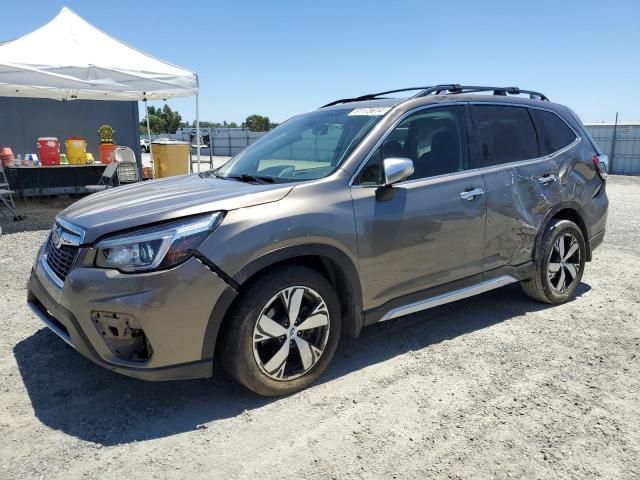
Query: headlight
(162, 246)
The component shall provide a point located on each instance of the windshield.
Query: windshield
(306, 147)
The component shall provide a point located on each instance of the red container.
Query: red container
(49, 150)
(6, 156)
(107, 152)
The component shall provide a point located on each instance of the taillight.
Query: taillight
(601, 162)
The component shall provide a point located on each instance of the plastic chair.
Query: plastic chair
(127, 165)
(125, 154)
(106, 180)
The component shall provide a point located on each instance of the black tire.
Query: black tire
(238, 354)
(544, 285)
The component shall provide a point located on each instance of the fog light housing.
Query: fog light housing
(123, 335)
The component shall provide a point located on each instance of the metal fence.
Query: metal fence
(226, 142)
(621, 142)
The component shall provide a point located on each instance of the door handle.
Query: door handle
(471, 194)
(545, 179)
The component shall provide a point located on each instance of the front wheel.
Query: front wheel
(283, 331)
(560, 265)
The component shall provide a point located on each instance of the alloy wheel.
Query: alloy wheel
(291, 333)
(564, 263)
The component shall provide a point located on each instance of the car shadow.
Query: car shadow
(71, 394)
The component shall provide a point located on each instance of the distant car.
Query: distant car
(362, 211)
(144, 145)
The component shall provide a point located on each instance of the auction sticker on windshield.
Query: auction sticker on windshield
(373, 111)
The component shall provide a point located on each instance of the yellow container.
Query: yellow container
(76, 150)
(170, 158)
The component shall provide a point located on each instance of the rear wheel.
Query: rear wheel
(560, 265)
(283, 332)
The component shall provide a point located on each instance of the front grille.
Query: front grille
(61, 259)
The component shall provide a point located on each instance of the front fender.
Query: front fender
(314, 220)
(353, 321)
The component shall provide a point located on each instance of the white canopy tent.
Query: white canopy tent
(69, 59)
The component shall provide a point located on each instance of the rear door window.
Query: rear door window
(506, 134)
(554, 133)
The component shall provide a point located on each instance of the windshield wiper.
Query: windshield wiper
(209, 173)
(245, 177)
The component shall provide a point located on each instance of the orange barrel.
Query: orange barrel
(107, 152)
(49, 150)
(76, 150)
(6, 156)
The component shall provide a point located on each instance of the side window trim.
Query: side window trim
(473, 159)
(480, 157)
(470, 138)
(475, 145)
(542, 135)
(353, 182)
(538, 131)
(537, 159)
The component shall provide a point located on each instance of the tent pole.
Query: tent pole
(146, 110)
(198, 129)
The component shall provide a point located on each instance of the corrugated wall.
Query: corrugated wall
(626, 157)
(226, 141)
(23, 120)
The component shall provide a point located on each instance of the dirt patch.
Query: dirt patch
(495, 386)
(38, 214)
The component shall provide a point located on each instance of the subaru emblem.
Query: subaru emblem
(55, 237)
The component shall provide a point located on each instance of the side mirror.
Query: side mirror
(396, 169)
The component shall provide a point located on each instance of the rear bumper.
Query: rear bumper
(173, 308)
(595, 217)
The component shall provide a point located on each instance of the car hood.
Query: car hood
(154, 201)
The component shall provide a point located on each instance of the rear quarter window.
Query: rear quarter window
(554, 133)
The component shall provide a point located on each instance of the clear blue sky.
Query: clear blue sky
(279, 58)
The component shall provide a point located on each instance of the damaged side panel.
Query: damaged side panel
(518, 199)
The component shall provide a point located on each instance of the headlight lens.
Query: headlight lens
(157, 247)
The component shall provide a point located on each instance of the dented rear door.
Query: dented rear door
(518, 198)
(521, 185)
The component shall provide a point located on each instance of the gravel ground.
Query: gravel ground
(495, 386)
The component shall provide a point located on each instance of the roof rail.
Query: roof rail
(456, 88)
(372, 96)
(452, 88)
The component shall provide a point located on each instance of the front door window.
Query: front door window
(435, 139)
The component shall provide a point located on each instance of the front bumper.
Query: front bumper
(173, 308)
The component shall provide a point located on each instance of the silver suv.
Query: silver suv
(364, 210)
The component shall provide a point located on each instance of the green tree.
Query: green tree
(257, 123)
(171, 119)
(206, 124)
(162, 120)
(156, 124)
